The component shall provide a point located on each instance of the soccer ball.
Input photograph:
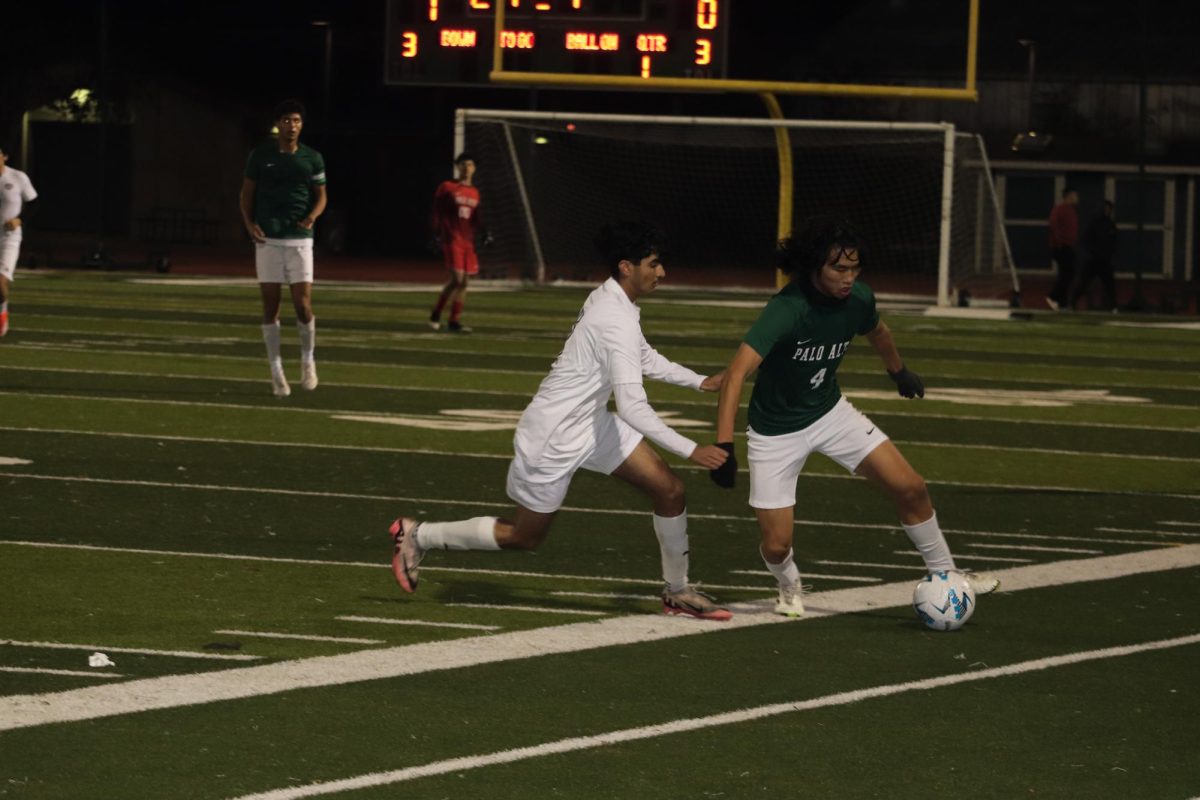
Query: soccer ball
(944, 600)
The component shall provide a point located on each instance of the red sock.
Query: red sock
(456, 310)
(441, 303)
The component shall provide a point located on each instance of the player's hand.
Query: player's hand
(713, 383)
(908, 383)
(725, 475)
(307, 223)
(709, 456)
(256, 233)
(12, 224)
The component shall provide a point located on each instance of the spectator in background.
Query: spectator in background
(16, 199)
(1100, 242)
(1064, 234)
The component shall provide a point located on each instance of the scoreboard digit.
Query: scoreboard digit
(450, 41)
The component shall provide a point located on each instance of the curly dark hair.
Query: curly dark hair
(629, 241)
(288, 107)
(816, 242)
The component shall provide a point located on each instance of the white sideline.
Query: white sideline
(23, 711)
(712, 721)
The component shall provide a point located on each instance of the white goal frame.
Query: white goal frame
(946, 129)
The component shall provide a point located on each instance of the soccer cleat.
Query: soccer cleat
(1050, 301)
(279, 384)
(691, 602)
(454, 326)
(981, 582)
(308, 375)
(3, 322)
(789, 603)
(408, 554)
(435, 321)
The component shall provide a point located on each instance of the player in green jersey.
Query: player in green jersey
(283, 193)
(796, 407)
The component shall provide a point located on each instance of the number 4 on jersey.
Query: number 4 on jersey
(817, 379)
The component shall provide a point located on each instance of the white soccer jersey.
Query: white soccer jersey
(606, 348)
(15, 190)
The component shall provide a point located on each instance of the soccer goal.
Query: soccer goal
(921, 193)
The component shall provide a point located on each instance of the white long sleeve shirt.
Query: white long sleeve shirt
(605, 354)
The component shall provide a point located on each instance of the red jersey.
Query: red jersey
(455, 212)
(1064, 226)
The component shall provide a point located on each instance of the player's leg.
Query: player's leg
(775, 463)
(644, 469)
(452, 255)
(537, 505)
(469, 262)
(4, 284)
(269, 265)
(306, 327)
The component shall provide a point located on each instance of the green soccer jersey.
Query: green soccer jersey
(802, 336)
(283, 192)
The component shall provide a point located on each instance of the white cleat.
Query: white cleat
(789, 604)
(308, 375)
(981, 582)
(279, 384)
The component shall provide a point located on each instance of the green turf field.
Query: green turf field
(228, 552)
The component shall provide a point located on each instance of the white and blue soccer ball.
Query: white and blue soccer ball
(944, 601)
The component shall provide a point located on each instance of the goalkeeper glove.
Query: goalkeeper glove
(725, 475)
(908, 383)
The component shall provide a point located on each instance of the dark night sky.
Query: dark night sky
(242, 57)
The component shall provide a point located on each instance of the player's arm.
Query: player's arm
(319, 203)
(657, 367)
(246, 204)
(634, 408)
(744, 362)
(908, 383)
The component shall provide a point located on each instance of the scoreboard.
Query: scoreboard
(452, 41)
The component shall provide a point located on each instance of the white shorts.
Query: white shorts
(844, 434)
(284, 263)
(615, 440)
(10, 248)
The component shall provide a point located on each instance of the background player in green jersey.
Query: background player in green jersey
(796, 407)
(283, 193)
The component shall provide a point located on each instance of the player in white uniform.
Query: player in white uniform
(568, 426)
(16, 195)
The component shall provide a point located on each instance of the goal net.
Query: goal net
(921, 194)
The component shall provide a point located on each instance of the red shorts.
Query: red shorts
(460, 257)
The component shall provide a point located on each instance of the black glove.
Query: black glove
(908, 382)
(725, 475)
(434, 245)
(488, 239)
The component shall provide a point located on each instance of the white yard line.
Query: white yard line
(418, 622)
(304, 637)
(1030, 548)
(537, 609)
(1151, 532)
(75, 673)
(210, 487)
(382, 564)
(174, 691)
(811, 576)
(1180, 522)
(107, 648)
(958, 556)
(560, 746)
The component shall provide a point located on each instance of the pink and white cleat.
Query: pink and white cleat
(407, 555)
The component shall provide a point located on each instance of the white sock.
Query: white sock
(673, 542)
(928, 539)
(786, 572)
(308, 339)
(271, 338)
(477, 533)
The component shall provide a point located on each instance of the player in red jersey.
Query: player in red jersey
(455, 220)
